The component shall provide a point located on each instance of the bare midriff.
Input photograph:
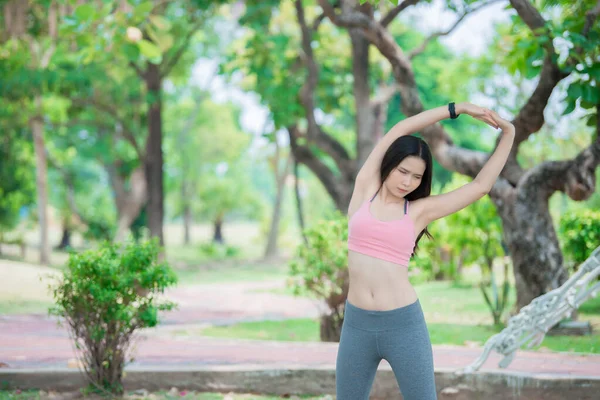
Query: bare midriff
(378, 284)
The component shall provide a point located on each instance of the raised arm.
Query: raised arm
(368, 178)
(435, 207)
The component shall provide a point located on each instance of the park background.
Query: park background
(232, 132)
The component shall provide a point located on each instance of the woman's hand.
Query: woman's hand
(480, 113)
(503, 124)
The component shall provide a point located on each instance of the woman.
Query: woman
(388, 214)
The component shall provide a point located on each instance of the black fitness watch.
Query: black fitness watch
(453, 114)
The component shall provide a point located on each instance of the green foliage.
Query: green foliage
(217, 251)
(320, 267)
(579, 232)
(17, 182)
(228, 193)
(105, 295)
(497, 300)
(523, 52)
(470, 236)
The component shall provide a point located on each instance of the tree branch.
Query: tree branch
(307, 93)
(168, 65)
(467, 162)
(385, 95)
(69, 182)
(530, 118)
(138, 70)
(127, 131)
(436, 35)
(590, 17)
(308, 89)
(529, 14)
(393, 13)
(304, 155)
(575, 177)
(534, 20)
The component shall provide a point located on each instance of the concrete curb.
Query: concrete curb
(304, 380)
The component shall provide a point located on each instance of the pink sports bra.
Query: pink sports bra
(392, 241)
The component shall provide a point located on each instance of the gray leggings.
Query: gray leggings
(399, 336)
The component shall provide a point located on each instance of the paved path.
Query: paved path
(35, 341)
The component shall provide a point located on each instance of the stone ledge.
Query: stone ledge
(297, 379)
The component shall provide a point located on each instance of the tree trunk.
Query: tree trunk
(330, 329)
(187, 210)
(300, 213)
(65, 241)
(218, 230)
(187, 223)
(271, 249)
(129, 203)
(37, 128)
(154, 154)
(362, 94)
(533, 246)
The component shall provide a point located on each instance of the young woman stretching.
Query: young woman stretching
(388, 214)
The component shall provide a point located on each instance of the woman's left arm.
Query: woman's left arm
(436, 207)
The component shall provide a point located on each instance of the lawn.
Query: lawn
(455, 315)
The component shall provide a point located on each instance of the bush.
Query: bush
(218, 251)
(105, 295)
(580, 235)
(320, 269)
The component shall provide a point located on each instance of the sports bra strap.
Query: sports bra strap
(405, 202)
(373, 198)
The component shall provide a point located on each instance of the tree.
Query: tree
(521, 196)
(200, 134)
(226, 191)
(151, 38)
(29, 33)
(17, 185)
(328, 72)
(281, 166)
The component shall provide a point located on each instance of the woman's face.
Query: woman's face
(406, 177)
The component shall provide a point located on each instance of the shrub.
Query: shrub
(580, 235)
(218, 251)
(497, 300)
(104, 296)
(320, 269)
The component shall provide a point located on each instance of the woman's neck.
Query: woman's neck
(388, 198)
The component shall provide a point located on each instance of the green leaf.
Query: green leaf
(594, 71)
(131, 51)
(590, 94)
(142, 9)
(165, 42)
(570, 107)
(161, 23)
(149, 49)
(592, 120)
(85, 12)
(586, 105)
(575, 91)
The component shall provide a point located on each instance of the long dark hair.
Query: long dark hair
(401, 148)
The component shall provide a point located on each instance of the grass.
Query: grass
(306, 329)
(23, 306)
(455, 315)
(231, 271)
(187, 395)
(294, 330)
